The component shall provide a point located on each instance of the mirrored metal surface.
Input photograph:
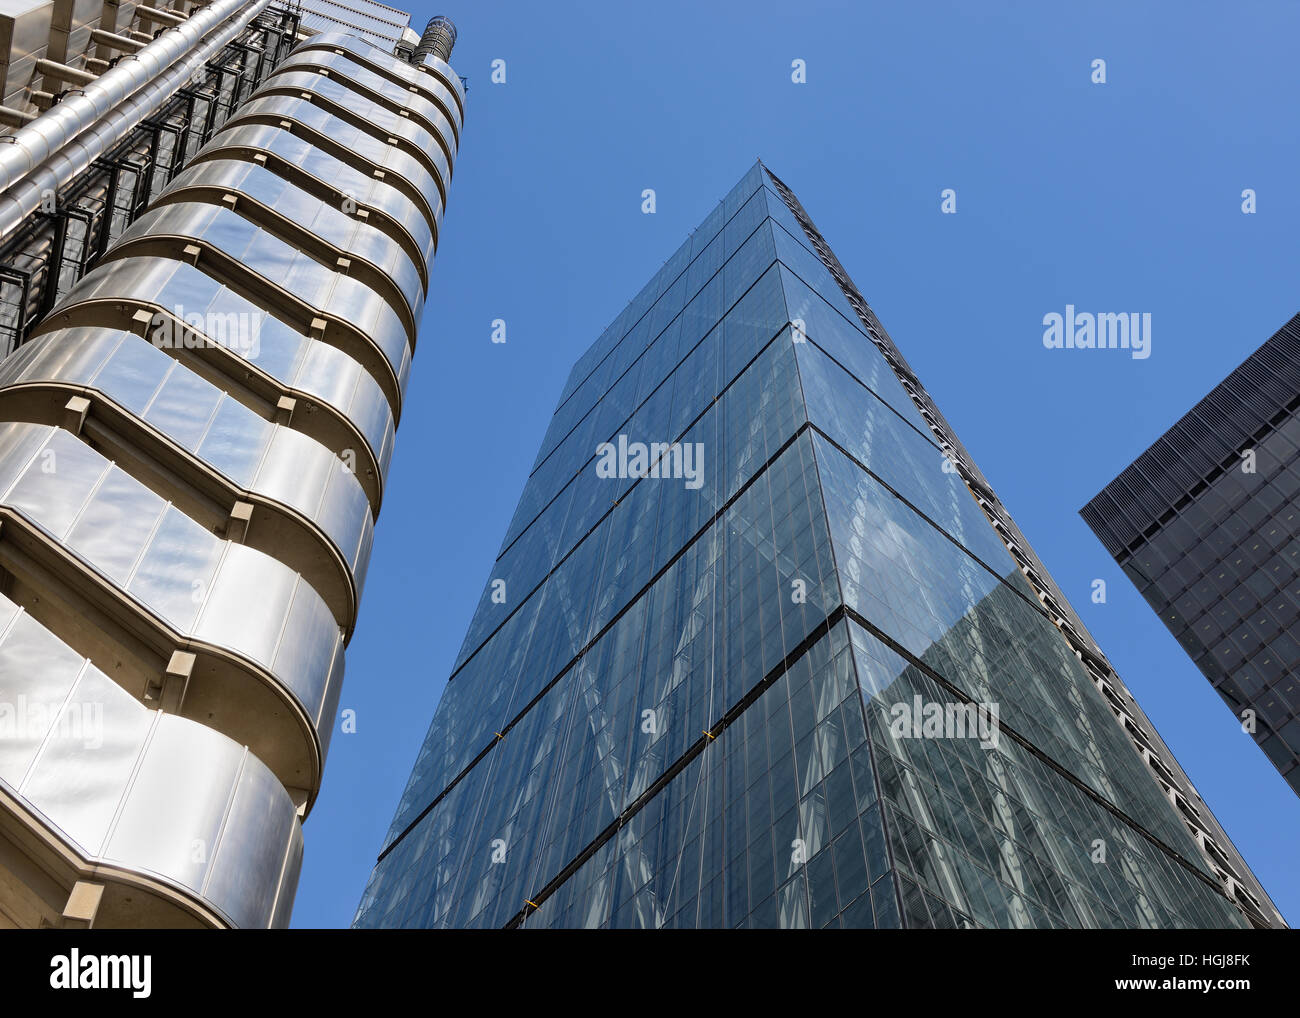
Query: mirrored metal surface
(392, 68)
(259, 459)
(294, 283)
(175, 571)
(192, 450)
(299, 364)
(367, 103)
(287, 155)
(160, 796)
(432, 94)
(352, 145)
(386, 264)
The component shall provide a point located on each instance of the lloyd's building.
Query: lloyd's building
(217, 222)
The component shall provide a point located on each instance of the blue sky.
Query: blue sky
(1123, 196)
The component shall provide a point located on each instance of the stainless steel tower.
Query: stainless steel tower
(193, 444)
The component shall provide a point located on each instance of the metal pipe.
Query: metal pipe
(121, 43)
(75, 157)
(161, 17)
(15, 118)
(37, 141)
(64, 73)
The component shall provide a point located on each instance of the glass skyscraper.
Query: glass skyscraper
(1206, 523)
(761, 648)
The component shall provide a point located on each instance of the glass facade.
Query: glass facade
(683, 700)
(1206, 525)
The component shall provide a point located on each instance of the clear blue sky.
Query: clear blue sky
(1117, 197)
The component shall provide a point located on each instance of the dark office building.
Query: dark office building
(761, 648)
(1206, 523)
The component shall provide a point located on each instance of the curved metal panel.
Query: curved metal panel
(351, 144)
(366, 326)
(352, 87)
(433, 101)
(160, 797)
(172, 503)
(344, 99)
(297, 363)
(306, 217)
(414, 78)
(285, 154)
(192, 584)
(259, 460)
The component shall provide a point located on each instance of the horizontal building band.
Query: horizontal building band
(261, 484)
(429, 99)
(318, 302)
(320, 228)
(338, 402)
(373, 113)
(360, 89)
(333, 180)
(82, 540)
(416, 79)
(423, 177)
(352, 145)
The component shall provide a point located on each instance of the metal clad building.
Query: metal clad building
(195, 427)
